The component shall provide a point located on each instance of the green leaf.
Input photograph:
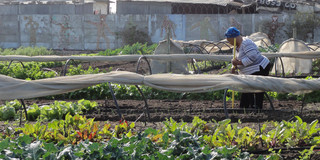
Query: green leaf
(66, 153)
(299, 119)
(50, 147)
(150, 131)
(34, 150)
(25, 139)
(94, 147)
(4, 144)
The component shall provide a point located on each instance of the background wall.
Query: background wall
(98, 32)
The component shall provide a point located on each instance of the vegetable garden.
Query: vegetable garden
(85, 124)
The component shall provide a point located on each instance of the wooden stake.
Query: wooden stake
(234, 57)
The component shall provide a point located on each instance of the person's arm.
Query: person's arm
(251, 52)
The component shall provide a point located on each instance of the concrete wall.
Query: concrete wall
(98, 32)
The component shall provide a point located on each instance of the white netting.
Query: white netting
(164, 57)
(293, 65)
(11, 88)
(260, 39)
(177, 66)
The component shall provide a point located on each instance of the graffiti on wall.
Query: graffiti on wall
(169, 27)
(205, 28)
(101, 27)
(65, 33)
(31, 26)
(35, 30)
(95, 31)
(273, 26)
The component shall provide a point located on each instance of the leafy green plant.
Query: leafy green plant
(57, 110)
(306, 154)
(172, 125)
(110, 52)
(87, 131)
(7, 112)
(28, 51)
(299, 133)
(33, 112)
(78, 137)
(123, 129)
(79, 70)
(274, 155)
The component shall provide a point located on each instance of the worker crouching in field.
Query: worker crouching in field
(249, 61)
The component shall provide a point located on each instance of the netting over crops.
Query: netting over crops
(11, 88)
(169, 47)
(293, 65)
(165, 57)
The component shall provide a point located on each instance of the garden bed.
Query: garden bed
(186, 110)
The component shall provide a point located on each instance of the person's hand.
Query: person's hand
(235, 62)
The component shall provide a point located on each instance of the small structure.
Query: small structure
(293, 65)
(102, 6)
(169, 47)
(260, 39)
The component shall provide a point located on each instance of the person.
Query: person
(249, 61)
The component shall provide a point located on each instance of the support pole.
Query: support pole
(234, 56)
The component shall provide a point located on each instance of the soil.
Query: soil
(184, 110)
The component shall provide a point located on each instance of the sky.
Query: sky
(113, 6)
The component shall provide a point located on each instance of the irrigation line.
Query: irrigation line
(238, 111)
(209, 110)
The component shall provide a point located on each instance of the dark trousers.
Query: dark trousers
(247, 99)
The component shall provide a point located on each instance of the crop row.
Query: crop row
(57, 110)
(78, 137)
